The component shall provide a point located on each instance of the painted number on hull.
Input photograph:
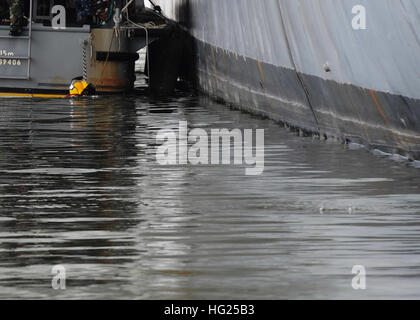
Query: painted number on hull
(10, 62)
(7, 60)
(5, 53)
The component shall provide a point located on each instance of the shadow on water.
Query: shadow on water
(80, 187)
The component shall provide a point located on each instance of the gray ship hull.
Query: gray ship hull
(46, 60)
(302, 62)
(55, 59)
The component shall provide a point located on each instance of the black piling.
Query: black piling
(166, 61)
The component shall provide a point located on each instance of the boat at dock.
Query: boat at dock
(53, 53)
(335, 68)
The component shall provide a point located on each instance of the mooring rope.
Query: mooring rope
(147, 35)
(147, 44)
(84, 62)
(114, 31)
(292, 59)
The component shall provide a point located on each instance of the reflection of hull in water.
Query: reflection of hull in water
(301, 62)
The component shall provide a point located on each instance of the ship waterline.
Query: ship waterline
(305, 63)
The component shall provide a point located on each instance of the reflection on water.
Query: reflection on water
(80, 187)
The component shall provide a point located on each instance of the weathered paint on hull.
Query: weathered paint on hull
(268, 57)
(344, 111)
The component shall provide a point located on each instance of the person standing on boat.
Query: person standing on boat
(16, 16)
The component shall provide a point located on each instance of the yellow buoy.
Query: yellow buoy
(81, 88)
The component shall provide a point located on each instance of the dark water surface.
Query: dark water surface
(80, 187)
